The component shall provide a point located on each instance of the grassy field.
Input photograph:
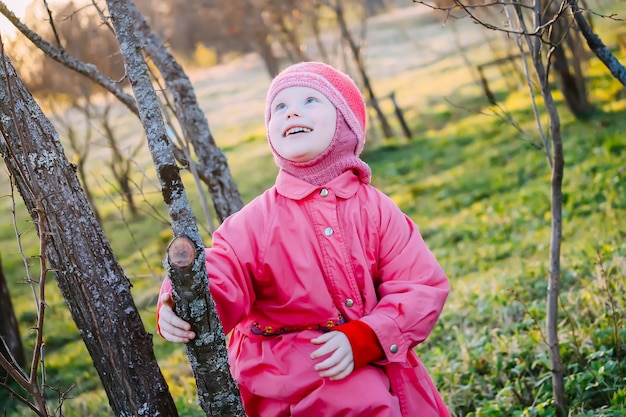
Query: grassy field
(473, 183)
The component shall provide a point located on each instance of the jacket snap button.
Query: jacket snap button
(349, 302)
(393, 348)
(324, 192)
(328, 231)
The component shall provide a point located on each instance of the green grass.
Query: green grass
(480, 194)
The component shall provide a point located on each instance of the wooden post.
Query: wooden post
(398, 111)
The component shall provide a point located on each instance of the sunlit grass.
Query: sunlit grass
(480, 194)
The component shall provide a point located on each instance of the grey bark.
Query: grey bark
(597, 46)
(90, 279)
(556, 194)
(218, 393)
(213, 167)
(556, 237)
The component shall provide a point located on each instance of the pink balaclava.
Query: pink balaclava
(343, 151)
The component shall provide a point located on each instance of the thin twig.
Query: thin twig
(53, 26)
(88, 70)
(527, 312)
(530, 45)
(20, 398)
(609, 294)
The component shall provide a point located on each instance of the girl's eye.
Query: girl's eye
(280, 106)
(309, 100)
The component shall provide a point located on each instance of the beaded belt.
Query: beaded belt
(325, 327)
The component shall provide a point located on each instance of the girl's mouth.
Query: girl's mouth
(297, 129)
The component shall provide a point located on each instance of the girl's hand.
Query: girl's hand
(340, 363)
(172, 327)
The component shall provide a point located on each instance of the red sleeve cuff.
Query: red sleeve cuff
(365, 345)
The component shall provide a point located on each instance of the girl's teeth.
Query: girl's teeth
(297, 130)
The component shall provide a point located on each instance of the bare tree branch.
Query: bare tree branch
(218, 394)
(597, 46)
(53, 26)
(213, 166)
(88, 70)
(531, 90)
(468, 9)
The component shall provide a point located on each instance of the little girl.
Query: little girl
(326, 285)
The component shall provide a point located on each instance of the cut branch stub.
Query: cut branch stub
(181, 252)
(218, 394)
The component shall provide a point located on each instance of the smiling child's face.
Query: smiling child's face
(302, 123)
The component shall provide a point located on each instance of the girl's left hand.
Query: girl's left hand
(340, 363)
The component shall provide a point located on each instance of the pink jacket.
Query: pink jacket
(301, 257)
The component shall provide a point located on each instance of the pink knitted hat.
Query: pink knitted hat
(343, 152)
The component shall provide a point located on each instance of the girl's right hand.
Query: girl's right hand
(172, 327)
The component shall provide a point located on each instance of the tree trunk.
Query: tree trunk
(292, 42)
(218, 394)
(574, 95)
(9, 330)
(554, 154)
(119, 164)
(552, 301)
(272, 64)
(90, 279)
(556, 236)
(373, 101)
(213, 166)
(572, 87)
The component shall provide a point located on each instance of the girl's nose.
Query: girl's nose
(293, 112)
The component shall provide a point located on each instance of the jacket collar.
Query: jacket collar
(344, 186)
